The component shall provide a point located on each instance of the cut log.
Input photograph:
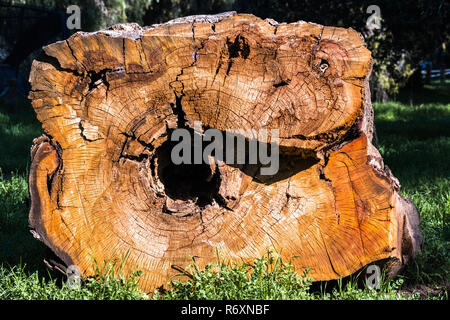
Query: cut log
(102, 182)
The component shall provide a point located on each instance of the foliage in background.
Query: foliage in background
(412, 31)
(97, 14)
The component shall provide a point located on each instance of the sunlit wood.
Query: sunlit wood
(101, 182)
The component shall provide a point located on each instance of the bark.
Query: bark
(102, 184)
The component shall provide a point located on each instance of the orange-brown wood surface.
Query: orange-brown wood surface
(100, 180)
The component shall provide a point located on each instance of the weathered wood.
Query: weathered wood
(102, 185)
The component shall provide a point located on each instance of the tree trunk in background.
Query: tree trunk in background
(102, 183)
(442, 65)
(428, 74)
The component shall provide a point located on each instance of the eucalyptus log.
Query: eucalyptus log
(102, 182)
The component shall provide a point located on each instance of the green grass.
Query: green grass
(414, 139)
(415, 143)
(17, 131)
(16, 283)
(269, 278)
(17, 245)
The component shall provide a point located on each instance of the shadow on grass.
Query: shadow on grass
(414, 141)
(432, 93)
(17, 245)
(17, 131)
(415, 150)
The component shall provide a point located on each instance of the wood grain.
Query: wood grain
(101, 183)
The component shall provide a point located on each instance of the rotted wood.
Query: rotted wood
(102, 184)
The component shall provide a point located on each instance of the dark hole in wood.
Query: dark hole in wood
(197, 182)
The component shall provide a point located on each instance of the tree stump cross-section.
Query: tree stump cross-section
(102, 183)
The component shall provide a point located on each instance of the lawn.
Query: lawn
(414, 139)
